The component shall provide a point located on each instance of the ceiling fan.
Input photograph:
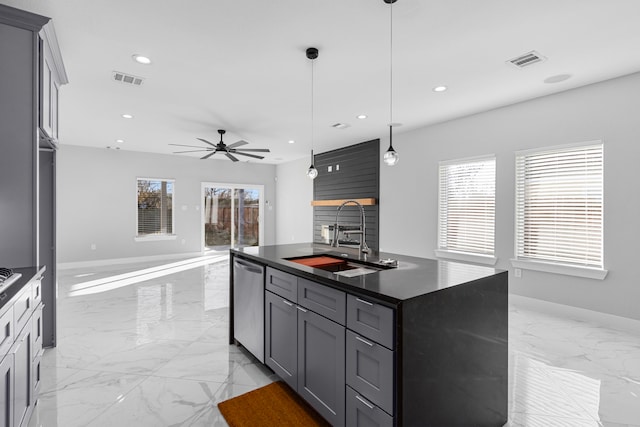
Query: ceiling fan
(221, 147)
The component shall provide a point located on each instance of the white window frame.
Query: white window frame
(157, 237)
(443, 252)
(550, 266)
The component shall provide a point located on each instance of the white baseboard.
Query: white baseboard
(576, 313)
(128, 260)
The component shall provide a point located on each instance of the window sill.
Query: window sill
(569, 270)
(155, 237)
(467, 257)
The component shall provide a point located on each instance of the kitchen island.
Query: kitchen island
(367, 342)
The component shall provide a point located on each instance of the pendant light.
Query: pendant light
(391, 157)
(312, 53)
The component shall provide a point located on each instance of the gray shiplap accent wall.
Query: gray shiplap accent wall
(358, 177)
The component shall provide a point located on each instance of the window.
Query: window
(559, 205)
(466, 209)
(155, 207)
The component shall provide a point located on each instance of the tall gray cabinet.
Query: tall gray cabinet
(31, 74)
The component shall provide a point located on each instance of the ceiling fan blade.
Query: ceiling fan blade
(193, 146)
(190, 151)
(231, 156)
(258, 150)
(248, 155)
(206, 142)
(208, 155)
(237, 144)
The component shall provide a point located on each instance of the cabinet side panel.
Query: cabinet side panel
(17, 139)
(455, 355)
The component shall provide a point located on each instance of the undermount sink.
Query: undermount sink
(338, 266)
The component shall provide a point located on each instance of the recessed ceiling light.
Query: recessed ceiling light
(127, 116)
(440, 88)
(141, 59)
(361, 116)
(557, 78)
(119, 141)
(291, 141)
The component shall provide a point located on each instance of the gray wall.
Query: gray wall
(355, 174)
(606, 111)
(294, 213)
(96, 200)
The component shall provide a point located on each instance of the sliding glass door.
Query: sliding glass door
(232, 215)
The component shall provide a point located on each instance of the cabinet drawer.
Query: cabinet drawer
(328, 302)
(283, 284)
(362, 413)
(7, 331)
(37, 292)
(370, 370)
(22, 308)
(372, 320)
(36, 331)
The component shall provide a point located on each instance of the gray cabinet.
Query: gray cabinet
(6, 391)
(20, 354)
(370, 369)
(281, 283)
(31, 74)
(281, 338)
(304, 348)
(363, 413)
(23, 399)
(321, 367)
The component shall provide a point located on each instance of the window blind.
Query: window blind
(559, 205)
(155, 207)
(466, 206)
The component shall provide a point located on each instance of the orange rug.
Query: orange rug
(272, 405)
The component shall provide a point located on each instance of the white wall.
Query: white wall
(605, 111)
(96, 200)
(294, 213)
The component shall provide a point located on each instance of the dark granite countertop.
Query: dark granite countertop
(412, 278)
(28, 274)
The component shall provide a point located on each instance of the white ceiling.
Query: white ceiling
(240, 65)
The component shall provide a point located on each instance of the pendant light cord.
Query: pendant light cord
(312, 61)
(391, 66)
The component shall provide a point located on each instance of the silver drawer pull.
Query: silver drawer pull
(364, 302)
(301, 309)
(290, 304)
(364, 341)
(364, 402)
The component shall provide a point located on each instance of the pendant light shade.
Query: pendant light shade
(391, 157)
(312, 54)
(312, 172)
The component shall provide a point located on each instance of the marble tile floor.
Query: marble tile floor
(155, 353)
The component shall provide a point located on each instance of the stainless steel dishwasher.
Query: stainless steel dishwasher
(248, 306)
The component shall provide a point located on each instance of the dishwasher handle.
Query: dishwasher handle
(246, 265)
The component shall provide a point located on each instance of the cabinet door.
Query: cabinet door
(22, 383)
(281, 340)
(321, 365)
(6, 391)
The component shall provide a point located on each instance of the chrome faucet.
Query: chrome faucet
(362, 229)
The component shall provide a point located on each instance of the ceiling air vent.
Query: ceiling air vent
(527, 59)
(340, 126)
(128, 79)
